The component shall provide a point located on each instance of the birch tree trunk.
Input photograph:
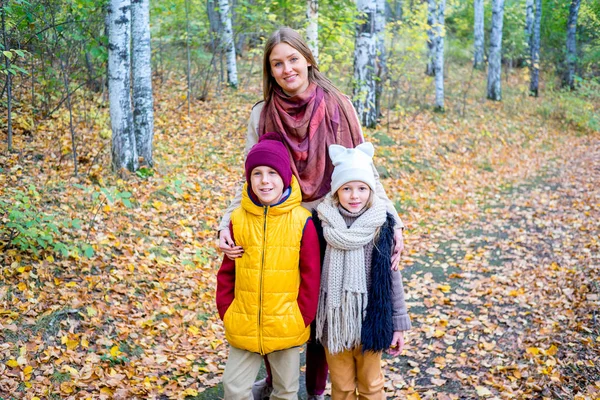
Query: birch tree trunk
(494, 83)
(124, 154)
(535, 50)
(569, 79)
(478, 33)
(439, 55)
(312, 29)
(365, 52)
(381, 61)
(528, 22)
(227, 41)
(430, 69)
(143, 115)
(9, 138)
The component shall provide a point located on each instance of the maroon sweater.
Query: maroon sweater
(310, 276)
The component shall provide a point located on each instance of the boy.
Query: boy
(268, 297)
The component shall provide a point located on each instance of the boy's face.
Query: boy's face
(267, 185)
(354, 196)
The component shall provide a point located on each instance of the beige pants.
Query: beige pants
(351, 371)
(242, 368)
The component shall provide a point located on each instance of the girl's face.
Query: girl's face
(354, 196)
(267, 185)
(289, 68)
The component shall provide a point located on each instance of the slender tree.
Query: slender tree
(430, 69)
(227, 41)
(439, 55)
(494, 82)
(188, 55)
(143, 115)
(312, 29)
(124, 154)
(478, 33)
(528, 22)
(9, 138)
(535, 50)
(381, 68)
(571, 61)
(365, 52)
(398, 12)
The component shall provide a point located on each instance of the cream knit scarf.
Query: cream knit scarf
(343, 296)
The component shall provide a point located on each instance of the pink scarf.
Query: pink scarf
(309, 123)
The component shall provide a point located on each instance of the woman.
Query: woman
(311, 114)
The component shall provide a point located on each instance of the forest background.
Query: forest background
(107, 277)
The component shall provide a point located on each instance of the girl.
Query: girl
(361, 304)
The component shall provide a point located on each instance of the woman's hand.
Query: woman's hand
(227, 245)
(397, 343)
(398, 247)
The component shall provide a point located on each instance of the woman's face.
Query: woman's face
(289, 68)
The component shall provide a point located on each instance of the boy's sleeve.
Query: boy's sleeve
(226, 283)
(310, 273)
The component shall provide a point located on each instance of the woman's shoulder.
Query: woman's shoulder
(258, 105)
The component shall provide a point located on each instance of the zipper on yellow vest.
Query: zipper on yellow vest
(262, 267)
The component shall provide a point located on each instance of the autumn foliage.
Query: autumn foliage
(501, 265)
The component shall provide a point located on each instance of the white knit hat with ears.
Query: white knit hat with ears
(352, 165)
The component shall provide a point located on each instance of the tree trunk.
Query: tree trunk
(365, 52)
(569, 79)
(439, 56)
(381, 61)
(9, 139)
(143, 115)
(70, 107)
(535, 50)
(312, 29)
(188, 56)
(528, 22)
(494, 83)
(478, 32)
(430, 69)
(124, 154)
(398, 13)
(227, 41)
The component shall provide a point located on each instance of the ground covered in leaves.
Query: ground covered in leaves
(501, 267)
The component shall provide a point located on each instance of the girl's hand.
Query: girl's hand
(398, 247)
(397, 343)
(227, 245)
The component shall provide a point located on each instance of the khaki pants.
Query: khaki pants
(242, 368)
(354, 370)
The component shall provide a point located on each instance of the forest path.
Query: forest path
(509, 300)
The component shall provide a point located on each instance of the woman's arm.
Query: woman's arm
(226, 243)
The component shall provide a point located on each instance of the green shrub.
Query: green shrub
(24, 226)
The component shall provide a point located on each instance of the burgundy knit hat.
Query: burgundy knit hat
(271, 152)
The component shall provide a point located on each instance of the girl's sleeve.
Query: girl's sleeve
(225, 284)
(400, 318)
(310, 273)
(251, 140)
(380, 192)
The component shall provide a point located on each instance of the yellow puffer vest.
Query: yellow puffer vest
(264, 316)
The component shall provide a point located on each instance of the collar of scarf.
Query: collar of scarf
(309, 123)
(343, 296)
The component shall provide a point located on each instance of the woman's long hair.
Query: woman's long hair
(293, 38)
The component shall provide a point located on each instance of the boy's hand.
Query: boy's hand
(398, 247)
(397, 343)
(227, 245)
